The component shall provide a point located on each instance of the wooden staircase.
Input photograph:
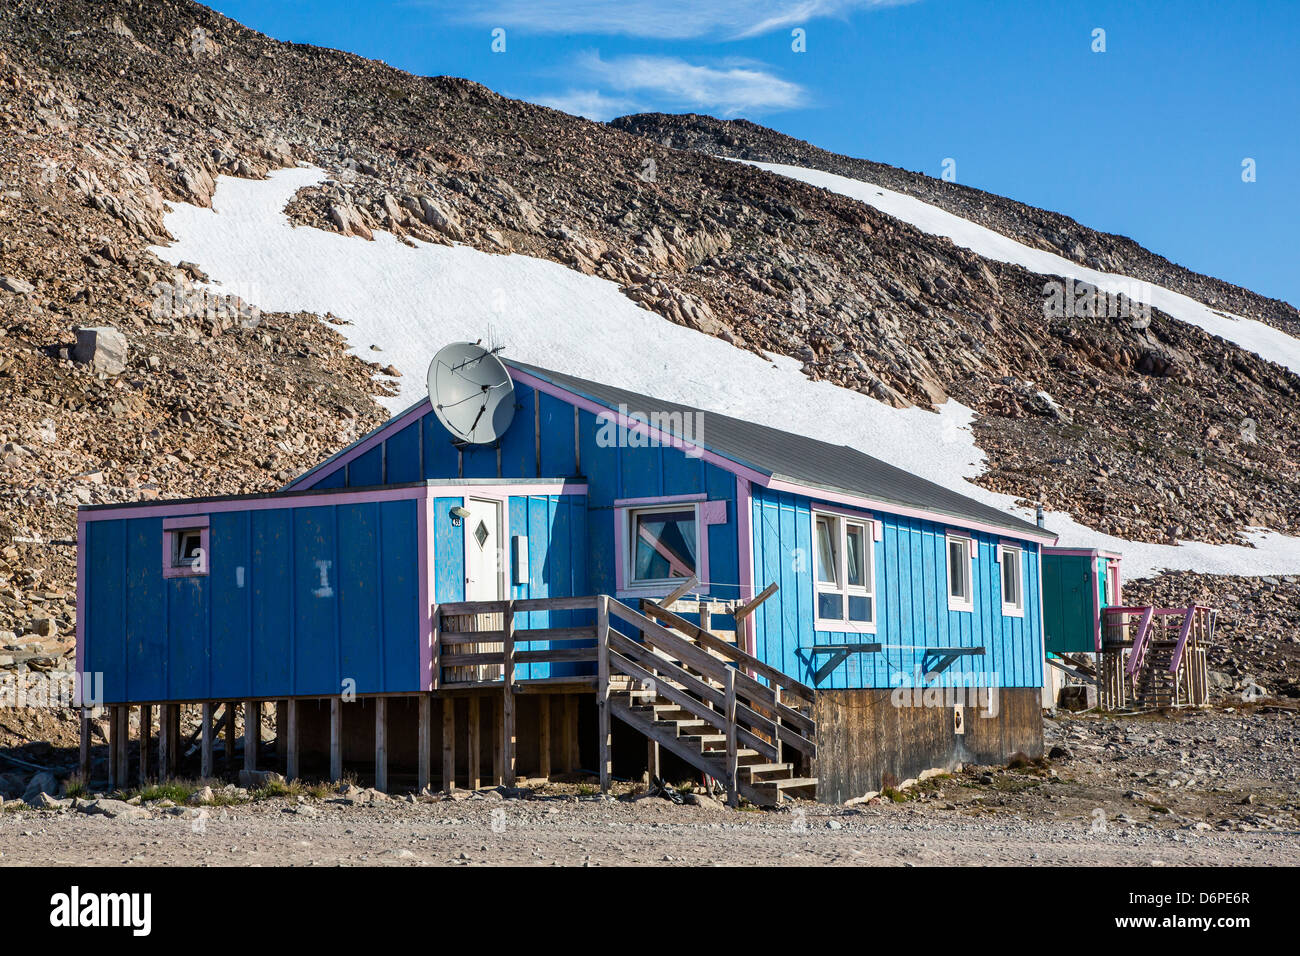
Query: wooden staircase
(759, 779)
(1155, 686)
(724, 712)
(1152, 658)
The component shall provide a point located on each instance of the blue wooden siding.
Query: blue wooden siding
(422, 449)
(267, 620)
(911, 603)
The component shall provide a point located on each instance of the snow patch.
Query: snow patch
(412, 300)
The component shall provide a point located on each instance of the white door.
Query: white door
(484, 577)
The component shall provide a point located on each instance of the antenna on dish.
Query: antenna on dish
(471, 392)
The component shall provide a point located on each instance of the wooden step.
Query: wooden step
(678, 726)
(766, 772)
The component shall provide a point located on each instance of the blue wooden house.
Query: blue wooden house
(783, 615)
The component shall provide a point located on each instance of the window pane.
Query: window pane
(830, 605)
(665, 545)
(958, 569)
(1011, 577)
(860, 609)
(855, 557)
(828, 552)
(186, 545)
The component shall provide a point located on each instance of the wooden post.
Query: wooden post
(497, 735)
(336, 739)
(166, 741)
(706, 616)
(205, 765)
(114, 745)
(544, 736)
(123, 751)
(252, 733)
(602, 688)
(508, 740)
(473, 761)
(174, 755)
(437, 648)
(230, 735)
(291, 740)
(569, 763)
(449, 744)
(281, 733)
(652, 758)
(83, 757)
(426, 719)
(381, 744)
(146, 731)
(733, 798)
(776, 722)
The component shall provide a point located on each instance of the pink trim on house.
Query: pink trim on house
(381, 434)
(713, 512)
(506, 490)
(191, 507)
(745, 550)
(861, 501)
(425, 616)
(1082, 553)
(657, 500)
(168, 539)
(185, 521)
(622, 587)
(81, 595)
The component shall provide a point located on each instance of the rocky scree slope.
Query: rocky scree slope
(1038, 228)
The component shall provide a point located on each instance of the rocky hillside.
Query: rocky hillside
(110, 110)
(1039, 228)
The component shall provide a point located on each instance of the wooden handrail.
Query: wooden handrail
(1192, 612)
(732, 652)
(1139, 642)
(679, 648)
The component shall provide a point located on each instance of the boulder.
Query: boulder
(254, 779)
(103, 348)
(43, 782)
(114, 809)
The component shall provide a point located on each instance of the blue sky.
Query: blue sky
(1146, 139)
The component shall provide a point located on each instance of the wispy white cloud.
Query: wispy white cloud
(729, 88)
(592, 104)
(659, 19)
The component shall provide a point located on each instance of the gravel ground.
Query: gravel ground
(1213, 788)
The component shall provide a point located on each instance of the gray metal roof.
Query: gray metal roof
(795, 458)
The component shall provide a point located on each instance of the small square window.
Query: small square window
(185, 552)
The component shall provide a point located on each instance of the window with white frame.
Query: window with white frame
(1012, 560)
(663, 544)
(961, 587)
(844, 558)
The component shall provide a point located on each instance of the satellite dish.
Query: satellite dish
(471, 393)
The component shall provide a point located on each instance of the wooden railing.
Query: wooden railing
(466, 655)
